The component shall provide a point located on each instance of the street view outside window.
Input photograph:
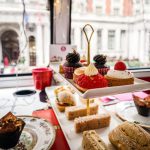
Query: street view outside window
(24, 42)
(122, 29)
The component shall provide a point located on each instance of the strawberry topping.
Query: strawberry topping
(120, 66)
(91, 82)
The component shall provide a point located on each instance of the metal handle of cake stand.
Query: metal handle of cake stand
(88, 57)
(88, 40)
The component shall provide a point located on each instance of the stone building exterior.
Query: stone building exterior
(122, 27)
(33, 45)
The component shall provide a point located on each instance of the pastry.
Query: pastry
(72, 62)
(77, 73)
(92, 141)
(79, 111)
(89, 78)
(63, 88)
(142, 105)
(91, 122)
(65, 99)
(100, 64)
(119, 75)
(10, 130)
(130, 136)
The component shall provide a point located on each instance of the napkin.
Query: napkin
(123, 97)
(128, 96)
(60, 141)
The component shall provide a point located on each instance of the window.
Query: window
(147, 2)
(98, 10)
(10, 47)
(137, 12)
(32, 51)
(72, 36)
(123, 40)
(117, 37)
(111, 40)
(99, 40)
(116, 11)
(22, 43)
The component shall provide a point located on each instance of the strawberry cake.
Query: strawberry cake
(119, 75)
(89, 78)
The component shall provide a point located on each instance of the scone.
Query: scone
(119, 75)
(91, 141)
(65, 99)
(130, 136)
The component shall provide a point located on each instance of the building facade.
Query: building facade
(121, 30)
(29, 42)
(122, 27)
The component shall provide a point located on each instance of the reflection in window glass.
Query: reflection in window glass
(98, 10)
(23, 45)
(99, 39)
(147, 1)
(32, 51)
(124, 29)
(111, 40)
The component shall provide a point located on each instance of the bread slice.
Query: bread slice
(91, 141)
(91, 122)
(130, 136)
(79, 111)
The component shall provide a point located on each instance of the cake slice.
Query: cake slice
(79, 111)
(91, 141)
(91, 122)
(10, 130)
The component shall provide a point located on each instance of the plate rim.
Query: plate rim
(54, 131)
(124, 119)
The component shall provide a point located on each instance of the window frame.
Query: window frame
(142, 71)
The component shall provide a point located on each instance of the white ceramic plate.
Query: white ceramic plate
(75, 139)
(99, 92)
(38, 134)
(127, 112)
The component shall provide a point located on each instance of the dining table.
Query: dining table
(33, 106)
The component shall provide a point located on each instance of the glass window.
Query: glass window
(137, 1)
(123, 40)
(32, 51)
(116, 11)
(24, 35)
(72, 36)
(147, 1)
(111, 40)
(117, 37)
(137, 12)
(99, 39)
(98, 10)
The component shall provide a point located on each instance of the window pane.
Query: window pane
(122, 29)
(24, 42)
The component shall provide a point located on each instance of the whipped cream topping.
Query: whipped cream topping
(91, 70)
(120, 74)
(65, 96)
